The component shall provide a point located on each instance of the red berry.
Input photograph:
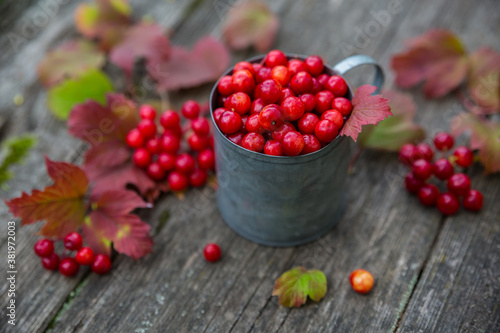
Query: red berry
(428, 194)
(459, 184)
(324, 100)
(337, 85)
(275, 58)
(198, 178)
(312, 144)
(293, 108)
(263, 74)
(271, 117)
(230, 122)
(314, 65)
(243, 81)
(443, 141)
(201, 126)
(101, 264)
(177, 181)
(322, 79)
(190, 109)
(147, 128)
(257, 106)
(197, 142)
(309, 101)
(408, 154)
(184, 163)
(73, 241)
(442, 169)
(279, 133)
(281, 74)
(412, 183)
(170, 143)
(253, 124)
(285, 93)
(273, 148)
(153, 146)
(218, 113)
(51, 262)
(134, 138)
(141, 157)
(295, 66)
(212, 252)
(334, 116)
(44, 248)
(166, 161)
(254, 142)
(473, 201)
(225, 86)
(463, 156)
(206, 159)
(236, 138)
(244, 65)
(155, 171)
(170, 119)
(256, 66)
(448, 204)
(147, 112)
(239, 102)
(326, 131)
(422, 169)
(301, 83)
(268, 91)
(85, 256)
(361, 281)
(343, 105)
(292, 143)
(316, 87)
(307, 123)
(425, 151)
(68, 267)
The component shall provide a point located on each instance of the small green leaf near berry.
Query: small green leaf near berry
(294, 286)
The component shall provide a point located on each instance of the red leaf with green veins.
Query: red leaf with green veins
(144, 40)
(485, 136)
(61, 205)
(295, 285)
(207, 60)
(367, 109)
(437, 57)
(250, 24)
(69, 60)
(484, 79)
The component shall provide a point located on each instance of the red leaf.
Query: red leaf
(250, 23)
(61, 205)
(207, 60)
(367, 109)
(437, 57)
(483, 82)
(144, 40)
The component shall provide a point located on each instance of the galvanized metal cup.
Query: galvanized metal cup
(284, 200)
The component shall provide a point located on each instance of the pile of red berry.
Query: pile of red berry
(281, 106)
(69, 266)
(157, 148)
(423, 168)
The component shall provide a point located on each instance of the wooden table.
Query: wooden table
(433, 274)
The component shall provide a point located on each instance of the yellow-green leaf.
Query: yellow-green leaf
(295, 285)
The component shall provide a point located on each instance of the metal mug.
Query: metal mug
(284, 200)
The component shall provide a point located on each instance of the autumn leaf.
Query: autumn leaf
(93, 84)
(250, 23)
(61, 205)
(437, 57)
(485, 137)
(295, 285)
(14, 151)
(144, 40)
(69, 60)
(367, 109)
(483, 80)
(105, 20)
(393, 132)
(207, 60)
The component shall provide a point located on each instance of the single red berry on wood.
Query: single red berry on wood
(425, 151)
(448, 204)
(464, 157)
(311, 144)
(155, 171)
(301, 83)
(326, 131)
(271, 117)
(206, 159)
(473, 201)
(225, 85)
(254, 142)
(293, 108)
(334, 116)
(147, 128)
(428, 194)
(177, 181)
(212, 252)
(337, 85)
(68, 267)
(147, 112)
(443, 169)
(135, 139)
(170, 119)
(85, 256)
(73, 241)
(343, 105)
(101, 264)
(190, 109)
(44, 248)
(201, 126)
(314, 65)
(292, 143)
(324, 100)
(307, 123)
(412, 183)
(361, 281)
(51, 262)
(443, 141)
(273, 148)
(275, 58)
(459, 184)
(141, 157)
(198, 178)
(422, 169)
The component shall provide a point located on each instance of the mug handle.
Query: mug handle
(358, 60)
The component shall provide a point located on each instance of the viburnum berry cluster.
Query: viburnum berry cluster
(158, 148)
(420, 158)
(69, 266)
(282, 106)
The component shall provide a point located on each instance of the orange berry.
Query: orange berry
(361, 281)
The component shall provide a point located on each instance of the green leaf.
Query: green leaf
(14, 151)
(92, 85)
(295, 285)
